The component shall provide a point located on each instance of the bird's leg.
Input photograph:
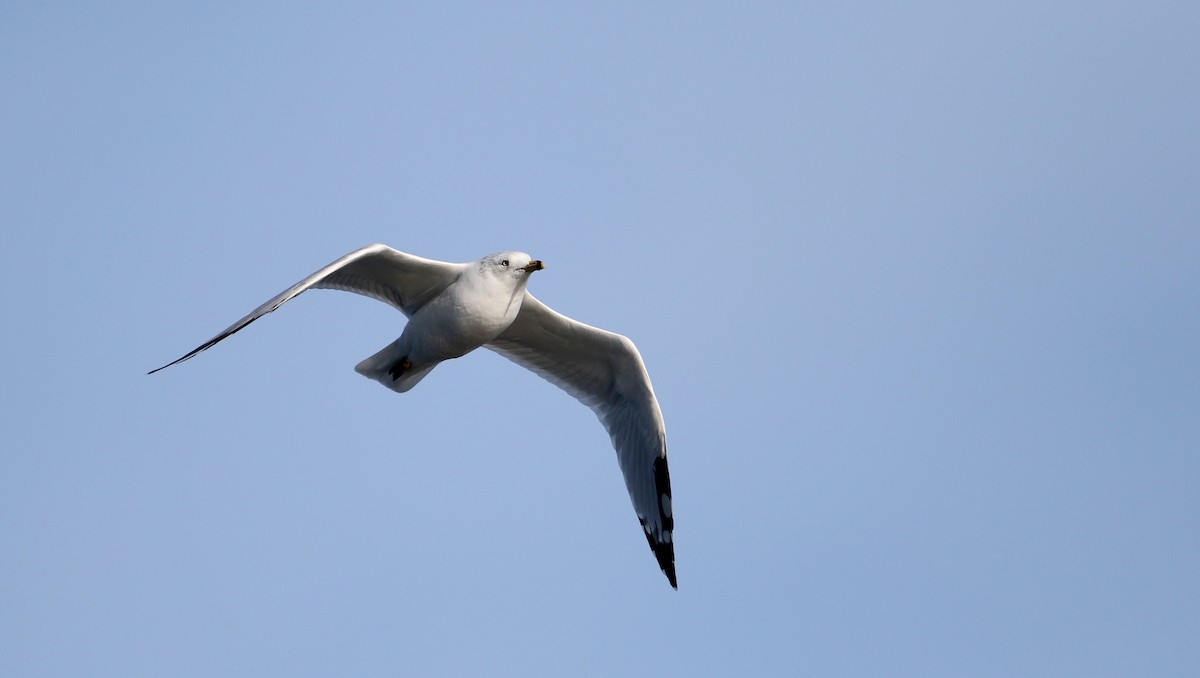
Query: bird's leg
(398, 369)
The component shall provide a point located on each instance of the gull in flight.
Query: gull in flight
(453, 309)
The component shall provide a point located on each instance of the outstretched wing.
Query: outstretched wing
(604, 371)
(377, 271)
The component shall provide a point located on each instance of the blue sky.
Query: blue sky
(917, 287)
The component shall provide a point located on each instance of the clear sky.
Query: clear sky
(918, 285)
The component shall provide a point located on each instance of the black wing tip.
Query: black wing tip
(669, 570)
(177, 361)
(199, 349)
(664, 553)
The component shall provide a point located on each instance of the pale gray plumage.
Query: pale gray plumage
(455, 308)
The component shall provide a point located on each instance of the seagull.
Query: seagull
(453, 309)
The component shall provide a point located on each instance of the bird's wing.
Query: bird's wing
(604, 371)
(377, 271)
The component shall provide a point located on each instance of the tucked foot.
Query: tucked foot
(400, 368)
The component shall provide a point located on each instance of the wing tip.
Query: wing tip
(664, 545)
(670, 572)
(664, 553)
(173, 362)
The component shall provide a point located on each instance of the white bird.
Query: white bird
(453, 309)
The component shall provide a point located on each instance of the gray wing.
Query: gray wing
(405, 281)
(604, 371)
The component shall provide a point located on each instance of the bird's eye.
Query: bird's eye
(504, 263)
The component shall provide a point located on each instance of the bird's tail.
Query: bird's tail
(392, 368)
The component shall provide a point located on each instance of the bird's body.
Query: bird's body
(481, 303)
(455, 308)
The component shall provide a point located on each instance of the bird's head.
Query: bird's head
(518, 264)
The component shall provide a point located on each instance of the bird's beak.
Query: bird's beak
(535, 265)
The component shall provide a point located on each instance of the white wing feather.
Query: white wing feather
(604, 371)
(402, 280)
